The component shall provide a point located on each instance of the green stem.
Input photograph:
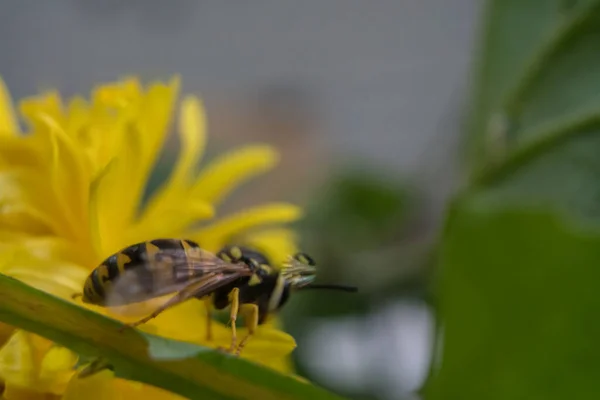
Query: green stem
(480, 66)
(553, 132)
(548, 135)
(557, 40)
(192, 371)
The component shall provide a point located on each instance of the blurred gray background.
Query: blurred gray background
(383, 82)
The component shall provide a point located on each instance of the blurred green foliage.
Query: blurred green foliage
(356, 210)
(355, 226)
(519, 302)
(517, 274)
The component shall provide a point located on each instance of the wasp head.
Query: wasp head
(300, 270)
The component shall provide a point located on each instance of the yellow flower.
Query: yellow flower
(71, 193)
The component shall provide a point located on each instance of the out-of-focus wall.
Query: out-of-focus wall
(387, 77)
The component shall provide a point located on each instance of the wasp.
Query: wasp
(237, 277)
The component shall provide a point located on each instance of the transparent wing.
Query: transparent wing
(195, 257)
(167, 272)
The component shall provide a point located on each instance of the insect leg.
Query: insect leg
(76, 295)
(97, 365)
(250, 313)
(234, 300)
(170, 303)
(208, 305)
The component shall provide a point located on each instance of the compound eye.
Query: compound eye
(304, 259)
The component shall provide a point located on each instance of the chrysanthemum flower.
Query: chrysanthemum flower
(71, 188)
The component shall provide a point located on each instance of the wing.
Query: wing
(207, 285)
(164, 273)
(196, 257)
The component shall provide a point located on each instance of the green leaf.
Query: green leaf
(519, 307)
(518, 271)
(187, 369)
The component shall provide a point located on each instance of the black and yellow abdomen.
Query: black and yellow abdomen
(142, 271)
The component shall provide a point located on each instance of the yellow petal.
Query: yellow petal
(267, 344)
(42, 248)
(133, 390)
(277, 243)
(229, 171)
(69, 177)
(56, 369)
(99, 386)
(8, 122)
(95, 214)
(17, 361)
(45, 106)
(172, 220)
(26, 192)
(119, 94)
(221, 232)
(104, 386)
(20, 361)
(19, 252)
(56, 277)
(141, 140)
(173, 193)
(78, 114)
(156, 112)
(58, 359)
(6, 331)
(24, 219)
(52, 193)
(192, 128)
(187, 322)
(116, 193)
(19, 393)
(26, 151)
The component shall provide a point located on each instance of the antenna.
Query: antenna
(344, 288)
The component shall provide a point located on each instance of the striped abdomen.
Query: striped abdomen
(142, 271)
